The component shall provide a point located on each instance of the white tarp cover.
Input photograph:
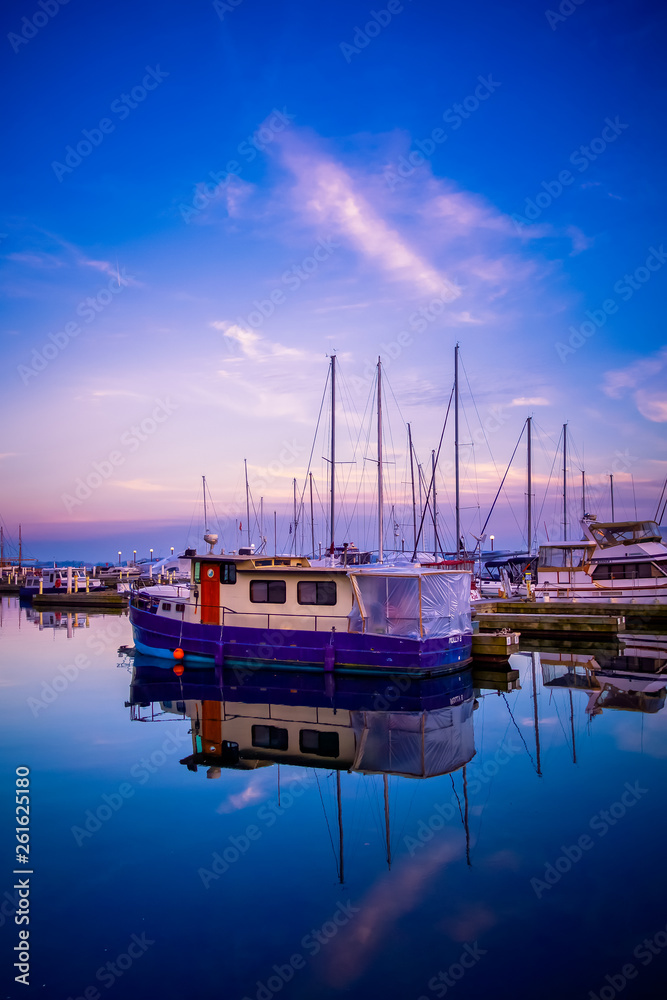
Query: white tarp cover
(390, 604)
(417, 744)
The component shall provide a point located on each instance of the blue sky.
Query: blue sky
(258, 185)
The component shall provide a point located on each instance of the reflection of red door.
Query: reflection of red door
(211, 731)
(210, 594)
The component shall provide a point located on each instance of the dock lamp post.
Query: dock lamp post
(493, 538)
(172, 550)
(151, 555)
(119, 555)
(134, 555)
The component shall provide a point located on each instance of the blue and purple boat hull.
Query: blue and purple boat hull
(342, 652)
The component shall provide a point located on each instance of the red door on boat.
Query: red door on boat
(210, 594)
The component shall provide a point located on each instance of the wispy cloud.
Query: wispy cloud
(645, 376)
(530, 401)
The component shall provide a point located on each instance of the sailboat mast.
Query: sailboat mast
(295, 520)
(203, 484)
(386, 818)
(312, 519)
(435, 508)
(564, 482)
(536, 719)
(333, 449)
(20, 548)
(611, 491)
(583, 493)
(412, 484)
(456, 451)
(247, 500)
(529, 426)
(341, 873)
(380, 497)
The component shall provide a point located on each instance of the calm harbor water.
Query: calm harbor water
(534, 868)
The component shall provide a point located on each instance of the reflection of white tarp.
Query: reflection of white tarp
(388, 603)
(414, 744)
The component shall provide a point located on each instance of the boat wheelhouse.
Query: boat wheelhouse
(622, 560)
(57, 580)
(283, 612)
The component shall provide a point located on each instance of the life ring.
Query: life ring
(58, 582)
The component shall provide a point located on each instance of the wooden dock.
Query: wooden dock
(552, 624)
(105, 599)
(638, 617)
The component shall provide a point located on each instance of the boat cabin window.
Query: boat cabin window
(316, 592)
(180, 608)
(563, 557)
(628, 531)
(269, 737)
(268, 591)
(626, 571)
(166, 606)
(321, 744)
(227, 572)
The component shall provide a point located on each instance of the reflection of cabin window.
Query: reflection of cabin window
(322, 744)
(269, 737)
(316, 592)
(180, 608)
(268, 591)
(165, 606)
(227, 572)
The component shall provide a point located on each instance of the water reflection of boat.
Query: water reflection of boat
(412, 728)
(632, 680)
